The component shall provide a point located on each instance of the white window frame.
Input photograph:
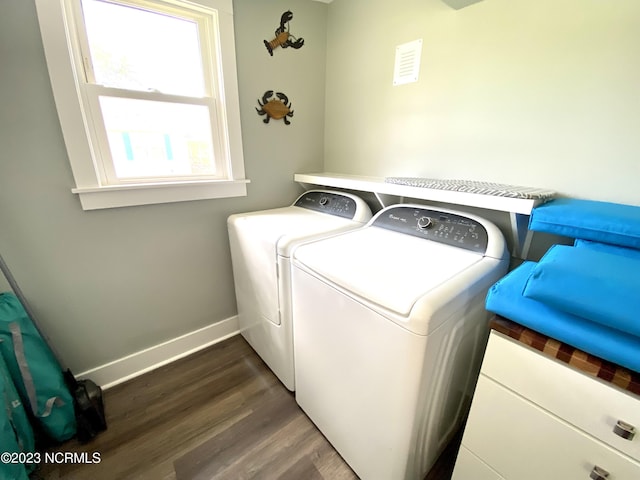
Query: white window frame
(59, 37)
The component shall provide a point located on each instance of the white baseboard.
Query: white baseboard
(126, 368)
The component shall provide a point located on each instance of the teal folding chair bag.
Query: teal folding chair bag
(17, 442)
(35, 370)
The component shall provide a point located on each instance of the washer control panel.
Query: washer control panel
(442, 227)
(326, 202)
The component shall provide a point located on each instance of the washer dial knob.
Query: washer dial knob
(425, 222)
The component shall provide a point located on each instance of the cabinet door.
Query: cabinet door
(588, 403)
(519, 440)
(470, 467)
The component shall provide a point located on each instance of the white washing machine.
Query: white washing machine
(261, 244)
(390, 327)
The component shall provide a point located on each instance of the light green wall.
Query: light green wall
(108, 283)
(275, 151)
(533, 92)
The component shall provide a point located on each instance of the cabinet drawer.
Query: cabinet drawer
(520, 440)
(586, 402)
(470, 467)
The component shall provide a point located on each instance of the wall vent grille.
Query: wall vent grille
(407, 63)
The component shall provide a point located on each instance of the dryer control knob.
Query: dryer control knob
(324, 201)
(424, 223)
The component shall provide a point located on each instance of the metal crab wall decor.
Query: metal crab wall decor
(276, 109)
(283, 38)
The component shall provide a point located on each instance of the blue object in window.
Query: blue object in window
(127, 145)
(167, 146)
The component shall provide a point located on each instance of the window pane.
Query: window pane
(140, 50)
(158, 139)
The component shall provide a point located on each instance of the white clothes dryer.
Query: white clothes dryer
(390, 327)
(261, 243)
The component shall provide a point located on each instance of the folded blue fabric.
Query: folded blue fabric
(505, 298)
(605, 247)
(605, 222)
(599, 286)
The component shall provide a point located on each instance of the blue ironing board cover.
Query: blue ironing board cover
(505, 298)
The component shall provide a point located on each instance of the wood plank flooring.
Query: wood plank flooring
(219, 414)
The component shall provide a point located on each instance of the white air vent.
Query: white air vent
(407, 66)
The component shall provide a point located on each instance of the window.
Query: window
(146, 92)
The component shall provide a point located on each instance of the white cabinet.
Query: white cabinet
(535, 417)
(470, 466)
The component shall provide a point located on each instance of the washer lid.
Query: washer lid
(390, 269)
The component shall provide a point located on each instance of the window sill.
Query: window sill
(96, 198)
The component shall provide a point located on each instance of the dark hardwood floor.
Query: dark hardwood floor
(217, 414)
